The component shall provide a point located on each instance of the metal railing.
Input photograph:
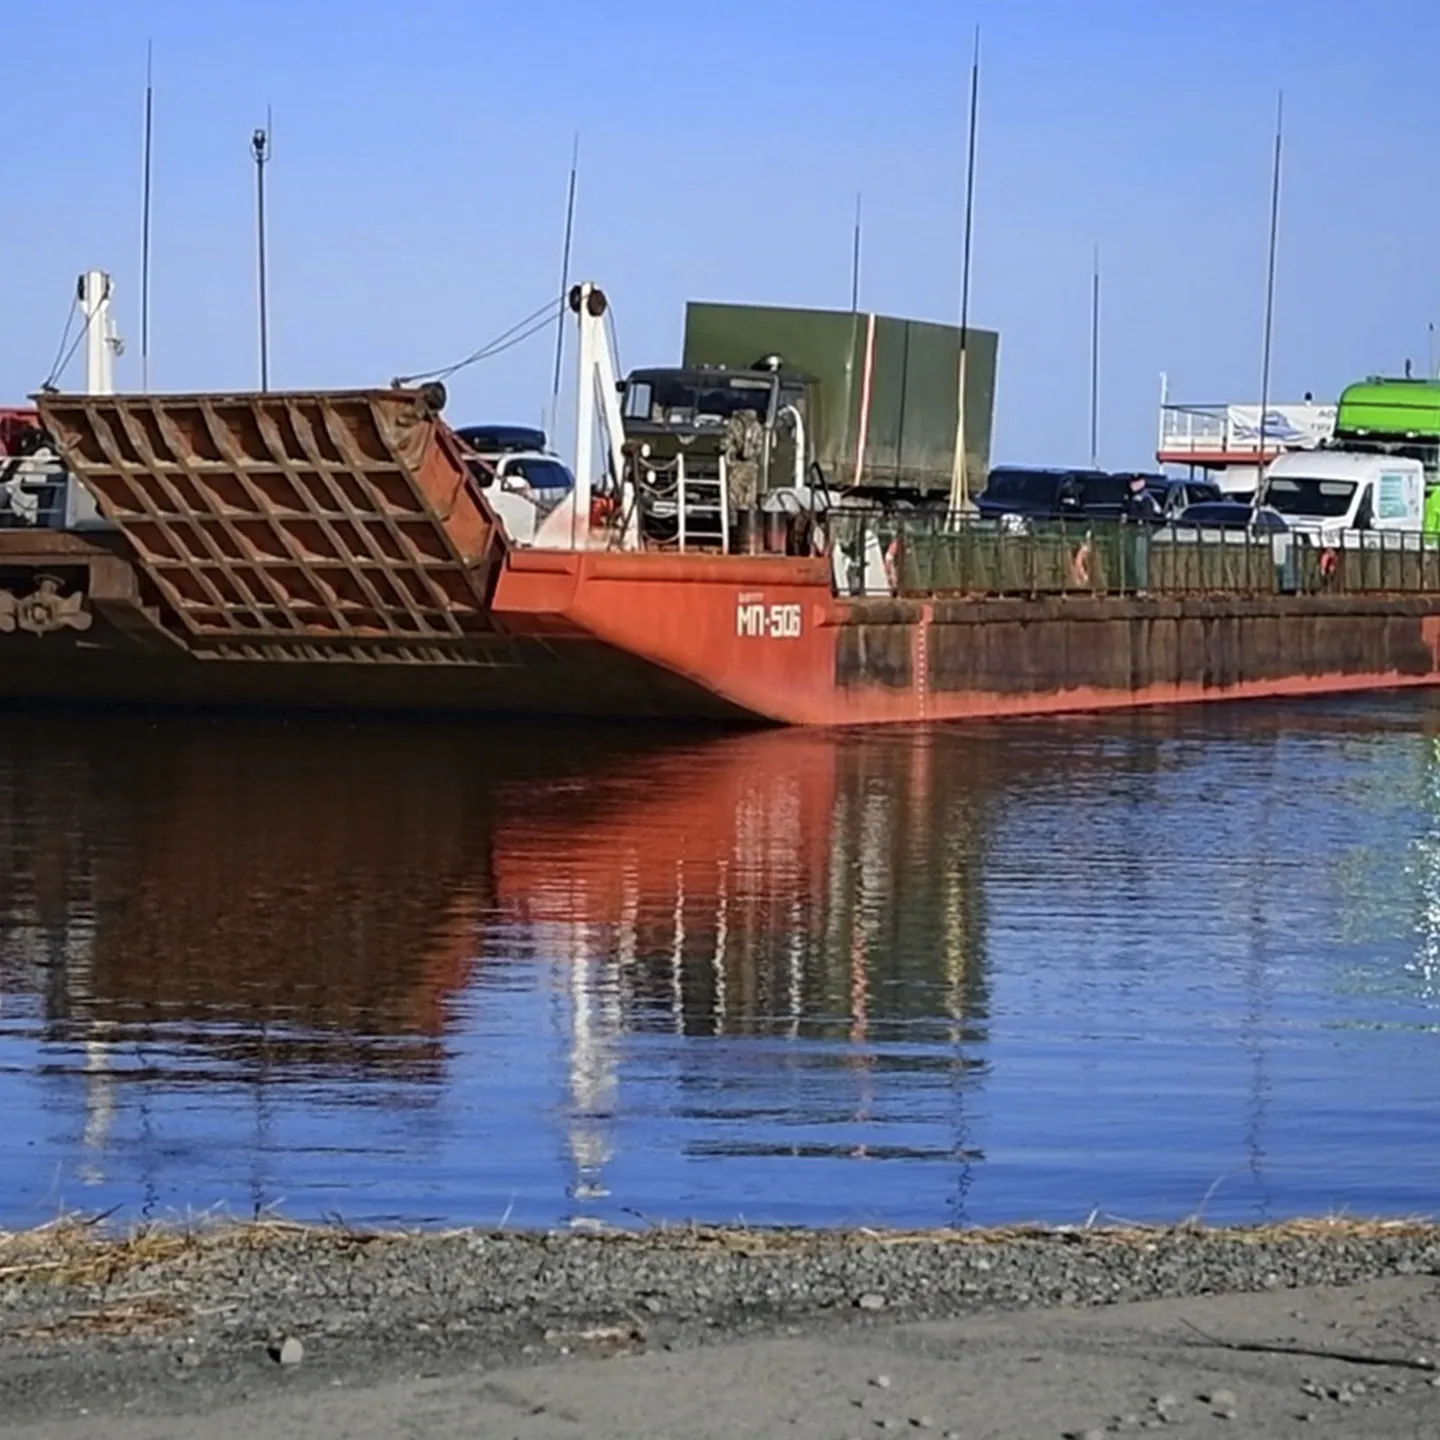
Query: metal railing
(1192, 427)
(921, 555)
(1235, 429)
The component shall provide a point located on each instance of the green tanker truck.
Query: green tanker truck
(1387, 416)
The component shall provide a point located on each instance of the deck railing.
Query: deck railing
(935, 555)
(1235, 429)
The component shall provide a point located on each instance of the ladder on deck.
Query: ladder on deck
(685, 504)
(704, 504)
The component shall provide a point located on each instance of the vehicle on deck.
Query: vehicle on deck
(877, 395)
(779, 412)
(1388, 416)
(32, 482)
(727, 438)
(1325, 492)
(524, 480)
(1176, 495)
(1036, 493)
(20, 431)
(1063, 494)
(1231, 515)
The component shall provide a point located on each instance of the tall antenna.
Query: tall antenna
(959, 479)
(145, 222)
(855, 261)
(1269, 297)
(260, 149)
(564, 279)
(1095, 362)
(1433, 372)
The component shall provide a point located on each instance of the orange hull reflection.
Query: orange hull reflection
(746, 881)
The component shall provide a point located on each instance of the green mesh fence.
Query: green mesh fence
(937, 554)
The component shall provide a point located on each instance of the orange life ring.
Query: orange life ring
(1329, 563)
(1080, 565)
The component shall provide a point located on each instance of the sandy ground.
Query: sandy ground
(1117, 1369)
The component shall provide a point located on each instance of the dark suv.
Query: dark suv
(1070, 494)
(1036, 494)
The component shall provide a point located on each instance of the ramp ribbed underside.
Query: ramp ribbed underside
(345, 515)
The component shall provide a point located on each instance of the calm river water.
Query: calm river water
(1144, 966)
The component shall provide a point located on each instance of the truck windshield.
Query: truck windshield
(1304, 495)
(683, 401)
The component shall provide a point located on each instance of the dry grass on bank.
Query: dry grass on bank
(77, 1252)
(73, 1262)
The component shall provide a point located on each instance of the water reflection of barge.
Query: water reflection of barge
(330, 916)
(336, 550)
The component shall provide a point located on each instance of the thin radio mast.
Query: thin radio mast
(145, 221)
(960, 480)
(1269, 298)
(260, 149)
(564, 279)
(1095, 362)
(855, 261)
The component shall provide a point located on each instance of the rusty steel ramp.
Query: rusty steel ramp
(343, 516)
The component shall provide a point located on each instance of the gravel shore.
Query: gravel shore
(102, 1324)
(245, 1280)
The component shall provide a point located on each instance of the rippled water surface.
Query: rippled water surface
(1140, 965)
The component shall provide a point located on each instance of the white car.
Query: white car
(523, 481)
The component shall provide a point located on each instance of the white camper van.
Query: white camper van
(1325, 492)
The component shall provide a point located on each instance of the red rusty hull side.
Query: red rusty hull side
(716, 638)
(766, 635)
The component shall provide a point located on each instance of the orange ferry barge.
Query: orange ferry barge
(341, 550)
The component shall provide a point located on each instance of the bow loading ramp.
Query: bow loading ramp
(283, 525)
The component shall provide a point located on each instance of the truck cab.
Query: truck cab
(704, 443)
(1325, 493)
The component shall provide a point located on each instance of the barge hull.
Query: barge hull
(596, 635)
(333, 550)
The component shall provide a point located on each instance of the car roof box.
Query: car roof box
(503, 439)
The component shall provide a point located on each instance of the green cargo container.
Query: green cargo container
(880, 385)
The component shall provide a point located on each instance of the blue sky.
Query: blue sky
(417, 189)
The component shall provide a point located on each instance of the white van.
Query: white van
(1331, 491)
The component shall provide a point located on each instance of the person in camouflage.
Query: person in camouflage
(744, 447)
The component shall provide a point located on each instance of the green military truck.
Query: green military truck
(879, 393)
(772, 402)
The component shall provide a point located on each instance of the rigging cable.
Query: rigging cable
(61, 354)
(536, 321)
